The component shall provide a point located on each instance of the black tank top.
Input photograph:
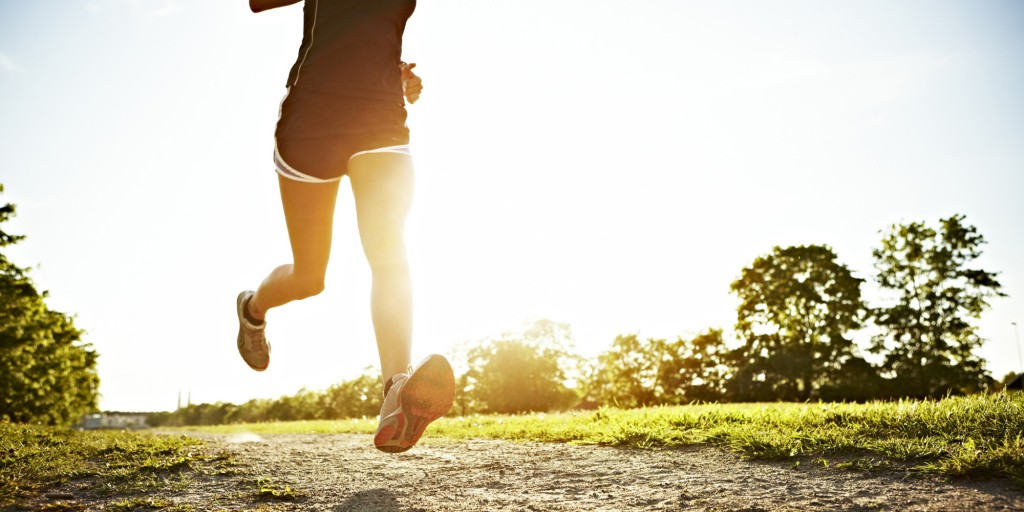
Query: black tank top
(352, 47)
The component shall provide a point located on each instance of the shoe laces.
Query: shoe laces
(254, 339)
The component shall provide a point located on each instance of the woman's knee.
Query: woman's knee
(383, 246)
(307, 285)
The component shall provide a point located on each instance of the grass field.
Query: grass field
(979, 436)
(975, 436)
(34, 458)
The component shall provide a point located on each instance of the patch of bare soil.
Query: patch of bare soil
(345, 473)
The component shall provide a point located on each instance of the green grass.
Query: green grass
(974, 436)
(267, 489)
(34, 459)
(979, 436)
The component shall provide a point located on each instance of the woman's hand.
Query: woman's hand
(411, 83)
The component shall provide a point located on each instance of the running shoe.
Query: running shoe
(415, 399)
(252, 342)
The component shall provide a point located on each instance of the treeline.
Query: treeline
(354, 398)
(799, 308)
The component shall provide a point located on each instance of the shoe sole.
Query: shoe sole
(426, 396)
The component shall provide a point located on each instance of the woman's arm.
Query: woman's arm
(262, 5)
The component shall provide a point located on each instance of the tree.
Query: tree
(521, 372)
(627, 375)
(47, 374)
(797, 306)
(1010, 381)
(354, 398)
(636, 373)
(696, 369)
(928, 335)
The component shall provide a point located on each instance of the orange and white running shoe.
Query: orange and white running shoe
(415, 399)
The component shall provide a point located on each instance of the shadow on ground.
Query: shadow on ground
(372, 500)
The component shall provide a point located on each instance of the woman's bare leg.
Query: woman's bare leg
(382, 184)
(309, 214)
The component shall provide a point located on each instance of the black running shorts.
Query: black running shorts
(317, 133)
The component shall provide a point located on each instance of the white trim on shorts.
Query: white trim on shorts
(291, 173)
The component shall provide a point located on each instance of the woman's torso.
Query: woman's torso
(352, 47)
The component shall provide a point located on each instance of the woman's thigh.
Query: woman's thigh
(309, 215)
(382, 184)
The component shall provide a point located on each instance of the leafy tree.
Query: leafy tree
(354, 398)
(797, 306)
(300, 406)
(1007, 381)
(928, 335)
(254, 411)
(859, 381)
(635, 372)
(627, 374)
(520, 372)
(47, 374)
(696, 369)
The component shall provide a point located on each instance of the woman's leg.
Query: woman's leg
(309, 215)
(382, 184)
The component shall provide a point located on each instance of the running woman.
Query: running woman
(344, 115)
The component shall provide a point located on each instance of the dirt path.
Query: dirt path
(345, 473)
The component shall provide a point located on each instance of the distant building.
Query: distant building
(1017, 384)
(114, 420)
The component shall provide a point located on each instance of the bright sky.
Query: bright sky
(608, 164)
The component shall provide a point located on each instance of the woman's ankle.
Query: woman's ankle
(251, 313)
